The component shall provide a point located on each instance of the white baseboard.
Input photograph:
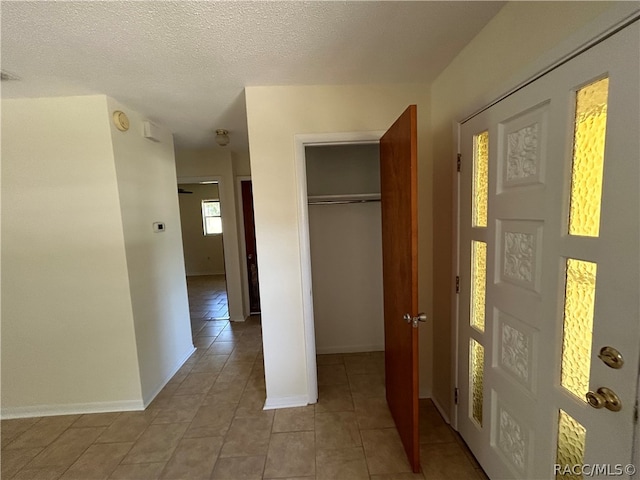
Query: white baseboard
(93, 407)
(425, 393)
(349, 349)
(442, 411)
(71, 408)
(237, 319)
(286, 402)
(154, 393)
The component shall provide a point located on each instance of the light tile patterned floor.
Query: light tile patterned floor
(208, 423)
(208, 297)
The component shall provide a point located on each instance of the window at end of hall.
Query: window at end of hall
(211, 220)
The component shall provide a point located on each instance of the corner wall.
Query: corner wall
(68, 341)
(147, 188)
(520, 40)
(275, 115)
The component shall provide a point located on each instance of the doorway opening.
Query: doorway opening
(345, 236)
(248, 239)
(302, 143)
(203, 244)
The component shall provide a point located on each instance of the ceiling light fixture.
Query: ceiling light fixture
(222, 137)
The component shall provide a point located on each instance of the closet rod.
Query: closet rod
(341, 202)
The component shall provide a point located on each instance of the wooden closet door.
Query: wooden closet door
(398, 178)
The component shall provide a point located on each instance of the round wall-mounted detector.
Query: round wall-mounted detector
(121, 120)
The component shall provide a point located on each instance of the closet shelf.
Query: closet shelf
(342, 199)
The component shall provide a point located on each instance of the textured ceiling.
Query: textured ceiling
(184, 64)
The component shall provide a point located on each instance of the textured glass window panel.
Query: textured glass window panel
(211, 209)
(579, 303)
(477, 379)
(571, 440)
(478, 283)
(588, 159)
(480, 179)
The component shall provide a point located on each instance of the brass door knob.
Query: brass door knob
(611, 357)
(604, 397)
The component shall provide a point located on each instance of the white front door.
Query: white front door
(550, 270)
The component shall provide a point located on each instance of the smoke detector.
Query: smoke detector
(222, 137)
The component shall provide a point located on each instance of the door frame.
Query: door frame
(243, 243)
(602, 28)
(455, 265)
(302, 141)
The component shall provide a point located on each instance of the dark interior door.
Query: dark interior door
(398, 177)
(250, 240)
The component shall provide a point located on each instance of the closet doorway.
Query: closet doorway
(398, 379)
(345, 238)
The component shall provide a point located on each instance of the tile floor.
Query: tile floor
(208, 297)
(208, 423)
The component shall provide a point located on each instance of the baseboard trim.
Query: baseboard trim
(425, 393)
(149, 398)
(443, 413)
(93, 407)
(71, 408)
(349, 349)
(286, 402)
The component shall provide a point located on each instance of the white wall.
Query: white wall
(275, 115)
(203, 254)
(241, 163)
(346, 264)
(194, 165)
(147, 182)
(522, 38)
(339, 169)
(68, 340)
